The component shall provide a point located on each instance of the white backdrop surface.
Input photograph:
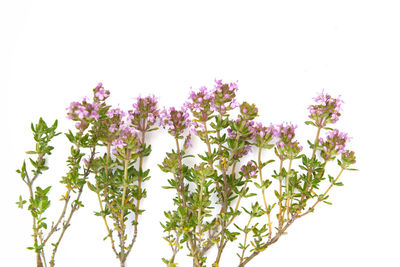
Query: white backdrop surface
(282, 53)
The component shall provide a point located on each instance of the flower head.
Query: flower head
(125, 137)
(262, 134)
(334, 144)
(100, 93)
(175, 121)
(200, 103)
(325, 110)
(286, 147)
(145, 112)
(248, 112)
(348, 158)
(249, 170)
(85, 112)
(224, 96)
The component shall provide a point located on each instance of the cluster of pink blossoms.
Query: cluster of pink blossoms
(121, 132)
(121, 129)
(262, 134)
(115, 116)
(175, 121)
(224, 97)
(145, 113)
(204, 102)
(326, 110)
(348, 158)
(84, 112)
(248, 111)
(100, 93)
(200, 103)
(286, 146)
(127, 126)
(334, 144)
(249, 170)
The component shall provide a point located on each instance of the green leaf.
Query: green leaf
(21, 202)
(310, 123)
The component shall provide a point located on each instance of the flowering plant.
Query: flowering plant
(213, 189)
(119, 173)
(209, 193)
(117, 182)
(84, 142)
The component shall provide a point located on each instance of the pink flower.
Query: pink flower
(118, 143)
(175, 121)
(326, 110)
(334, 144)
(249, 170)
(145, 112)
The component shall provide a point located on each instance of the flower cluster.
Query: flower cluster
(224, 97)
(115, 119)
(200, 103)
(262, 134)
(121, 132)
(334, 144)
(170, 163)
(249, 112)
(286, 147)
(326, 110)
(220, 99)
(145, 113)
(100, 94)
(84, 112)
(128, 138)
(175, 121)
(348, 158)
(249, 170)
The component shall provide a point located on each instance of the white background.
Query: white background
(281, 52)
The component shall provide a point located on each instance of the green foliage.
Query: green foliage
(209, 194)
(38, 198)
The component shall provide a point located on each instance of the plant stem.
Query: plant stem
(66, 224)
(192, 243)
(324, 195)
(34, 227)
(199, 215)
(225, 202)
(316, 141)
(29, 183)
(288, 189)
(122, 222)
(270, 242)
(54, 228)
(245, 239)
(259, 163)
(106, 224)
(140, 180)
(309, 170)
(280, 199)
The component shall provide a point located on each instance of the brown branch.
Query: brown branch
(74, 207)
(140, 179)
(54, 228)
(270, 242)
